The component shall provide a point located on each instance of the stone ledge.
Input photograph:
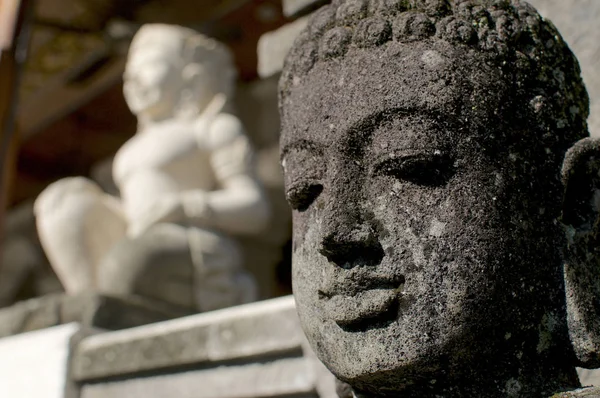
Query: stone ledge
(89, 310)
(263, 329)
(296, 8)
(282, 378)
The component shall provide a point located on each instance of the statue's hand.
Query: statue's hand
(167, 209)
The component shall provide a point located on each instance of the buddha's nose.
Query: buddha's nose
(348, 242)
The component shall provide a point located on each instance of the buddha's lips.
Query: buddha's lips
(346, 310)
(356, 282)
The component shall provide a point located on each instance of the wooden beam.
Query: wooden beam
(81, 15)
(67, 96)
(12, 40)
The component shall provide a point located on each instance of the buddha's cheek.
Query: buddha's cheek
(308, 266)
(430, 239)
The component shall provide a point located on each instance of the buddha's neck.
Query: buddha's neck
(524, 379)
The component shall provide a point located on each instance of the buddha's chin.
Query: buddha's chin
(383, 346)
(394, 366)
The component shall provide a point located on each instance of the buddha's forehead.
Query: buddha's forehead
(430, 80)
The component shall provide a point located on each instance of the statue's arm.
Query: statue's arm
(239, 205)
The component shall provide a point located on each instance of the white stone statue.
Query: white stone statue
(186, 185)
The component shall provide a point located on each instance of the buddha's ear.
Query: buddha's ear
(581, 211)
(581, 179)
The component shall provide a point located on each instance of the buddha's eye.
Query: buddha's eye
(420, 169)
(303, 194)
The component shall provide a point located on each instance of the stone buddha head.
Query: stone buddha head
(173, 71)
(422, 146)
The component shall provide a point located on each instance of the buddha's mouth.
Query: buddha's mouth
(365, 309)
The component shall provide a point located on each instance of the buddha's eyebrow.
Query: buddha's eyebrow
(302, 144)
(363, 128)
(367, 125)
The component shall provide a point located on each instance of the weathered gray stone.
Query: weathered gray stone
(36, 364)
(422, 146)
(577, 21)
(284, 377)
(262, 329)
(90, 310)
(294, 8)
(274, 46)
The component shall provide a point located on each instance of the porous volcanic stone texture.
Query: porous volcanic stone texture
(579, 23)
(422, 143)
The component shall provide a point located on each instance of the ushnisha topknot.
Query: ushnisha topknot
(508, 33)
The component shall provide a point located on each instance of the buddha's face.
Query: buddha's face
(152, 81)
(411, 240)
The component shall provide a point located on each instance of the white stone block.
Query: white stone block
(274, 46)
(589, 377)
(34, 365)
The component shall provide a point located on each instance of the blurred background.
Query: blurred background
(71, 117)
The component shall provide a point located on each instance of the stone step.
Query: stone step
(265, 329)
(253, 350)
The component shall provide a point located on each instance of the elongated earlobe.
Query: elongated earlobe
(581, 211)
(580, 176)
